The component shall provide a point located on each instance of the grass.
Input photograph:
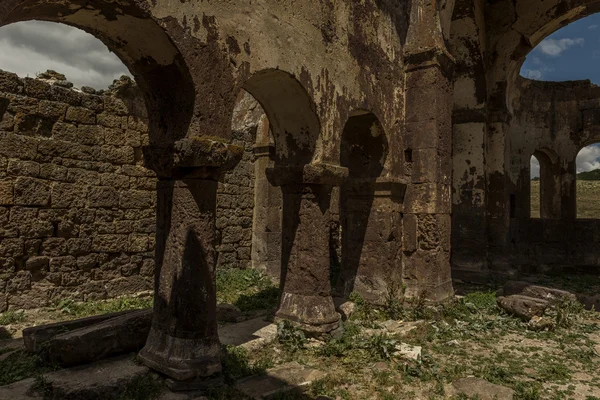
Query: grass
(588, 196)
(247, 289)
(11, 317)
(86, 309)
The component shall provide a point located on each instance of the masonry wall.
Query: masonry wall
(76, 205)
(554, 121)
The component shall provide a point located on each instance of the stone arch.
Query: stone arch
(291, 113)
(511, 42)
(370, 251)
(139, 41)
(581, 211)
(550, 183)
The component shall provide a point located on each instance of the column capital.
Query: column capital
(195, 153)
(310, 174)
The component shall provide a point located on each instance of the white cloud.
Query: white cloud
(535, 74)
(588, 158)
(593, 27)
(554, 47)
(27, 48)
(534, 167)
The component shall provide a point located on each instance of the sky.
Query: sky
(28, 48)
(571, 53)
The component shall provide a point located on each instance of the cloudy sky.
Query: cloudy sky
(31, 47)
(571, 53)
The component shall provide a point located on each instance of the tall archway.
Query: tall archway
(588, 182)
(369, 255)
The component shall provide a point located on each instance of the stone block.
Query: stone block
(12, 247)
(10, 82)
(138, 243)
(81, 115)
(64, 95)
(23, 168)
(31, 192)
(54, 247)
(37, 264)
(138, 199)
(114, 105)
(33, 125)
(130, 285)
(112, 121)
(63, 264)
(52, 109)
(36, 88)
(66, 195)
(103, 196)
(522, 306)
(93, 102)
(6, 192)
(53, 172)
(110, 243)
(17, 146)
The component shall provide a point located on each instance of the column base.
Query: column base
(312, 314)
(181, 359)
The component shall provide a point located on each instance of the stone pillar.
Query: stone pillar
(427, 224)
(371, 239)
(183, 342)
(306, 290)
(268, 203)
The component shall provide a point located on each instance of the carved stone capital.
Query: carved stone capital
(210, 155)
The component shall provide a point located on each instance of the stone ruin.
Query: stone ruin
(392, 140)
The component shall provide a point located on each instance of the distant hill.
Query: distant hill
(589, 176)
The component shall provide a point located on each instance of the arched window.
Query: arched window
(545, 185)
(588, 182)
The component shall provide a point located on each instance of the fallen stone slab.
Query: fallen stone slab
(539, 292)
(124, 334)
(35, 336)
(482, 389)
(22, 390)
(590, 301)
(284, 378)
(104, 380)
(522, 306)
(252, 334)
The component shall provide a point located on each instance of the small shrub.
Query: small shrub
(292, 338)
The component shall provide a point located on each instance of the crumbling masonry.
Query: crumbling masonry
(392, 141)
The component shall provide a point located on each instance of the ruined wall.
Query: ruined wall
(76, 206)
(554, 121)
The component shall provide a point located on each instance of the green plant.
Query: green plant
(12, 317)
(292, 338)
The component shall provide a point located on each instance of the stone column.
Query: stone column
(268, 203)
(306, 290)
(427, 225)
(183, 342)
(371, 239)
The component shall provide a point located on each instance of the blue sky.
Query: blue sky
(571, 53)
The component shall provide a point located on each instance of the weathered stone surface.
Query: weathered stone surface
(122, 334)
(252, 334)
(522, 306)
(104, 380)
(280, 379)
(482, 389)
(539, 292)
(34, 337)
(21, 390)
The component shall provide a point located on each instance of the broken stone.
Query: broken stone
(522, 306)
(228, 313)
(21, 390)
(283, 378)
(123, 334)
(409, 352)
(346, 310)
(538, 292)
(35, 336)
(482, 389)
(540, 323)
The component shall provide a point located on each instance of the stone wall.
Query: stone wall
(553, 121)
(76, 205)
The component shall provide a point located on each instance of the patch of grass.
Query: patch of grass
(89, 308)
(247, 289)
(236, 364)
(142, 388)
(12, 317)
(21, 365)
